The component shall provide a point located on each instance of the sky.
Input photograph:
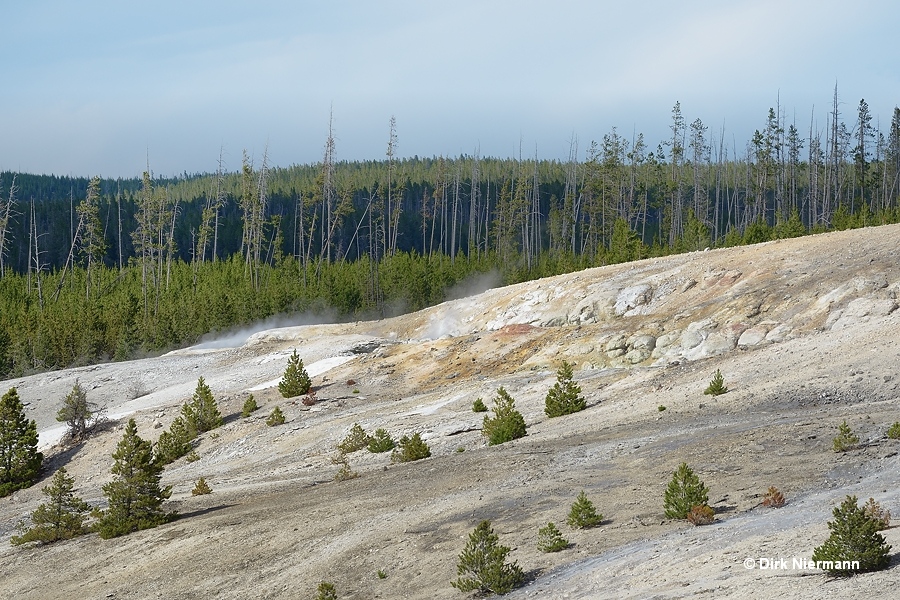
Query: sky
(107, 87)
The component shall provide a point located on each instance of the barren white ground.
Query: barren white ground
(805, 331)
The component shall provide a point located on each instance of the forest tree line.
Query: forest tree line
(97, 269)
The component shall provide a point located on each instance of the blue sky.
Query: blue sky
(96, 87)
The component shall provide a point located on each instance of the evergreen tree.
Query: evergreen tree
(249, 407)
(134, 495)
(202, 413)
(295, 381)
(582, 514)
(854, 537)
(717, 386)
(176, 442)
(684, 492)
(276, 417)
(61, 518)
(410, 448)
(564, 398)
(76, 413)
(482, 564)
(506, 424)
(20, 462)
(380, 442)
(550, 539)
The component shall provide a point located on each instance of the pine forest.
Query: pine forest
(96, 269)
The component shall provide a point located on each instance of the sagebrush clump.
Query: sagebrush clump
(482, 565)
(701, 514)
(507, 423)
(684, 492)
(878, 513)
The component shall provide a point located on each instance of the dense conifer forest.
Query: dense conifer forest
(97, 269)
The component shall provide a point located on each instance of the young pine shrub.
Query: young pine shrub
(875, 511)
(507, 423)
(250, 406)
(410, 449)
(380, 442)
(854, 537)
(564, 398)
(684, 492)
(893, 431)
(295, 381)
(773, 498)
(201, 413)
(550, 539)
(479, 406)
(326, 591)
(701, 514)
(77, 413)
(345, 473)
(275, 418)
(717, 385)
(482, 565)
(356, 439)
(176, 442)
(60, 518)
(201, 488)
(582, 514)
(845, 440)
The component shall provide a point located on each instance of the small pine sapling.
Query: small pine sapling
(582, 514)
(201, 488)
(875, 511)
(893, 431)
(854, 537)
(701, 514)
(564, 398)
(507, 423)
(249, 407)
(77, 413)
(276, 417)
(295, 381)
(550, 539)
(380, 442)
(479, 406)
(356, 439)
(410, 449)
(773, 498)
(345, 473)
(684, 492)
(717, 385)
(202, 413)
(845, 440)
(326, 591)
(482, 565)
(176, 442)
(60, 518)
(20, 461)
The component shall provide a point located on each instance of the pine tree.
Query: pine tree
(410, 449)
(717, 385)
(506, 424)
(201, 488)
(854, 537)
(482, 564)
(249, 407)
(295, 381)
(61, 518)
(564, 398)
(76, 413)
(380, 442)
(176, 442)
(845, 439)
(550, 539)
(275, 418)
(582, 514)
(684, 492)
(202, 413)
(20, 462)
(134, 495)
